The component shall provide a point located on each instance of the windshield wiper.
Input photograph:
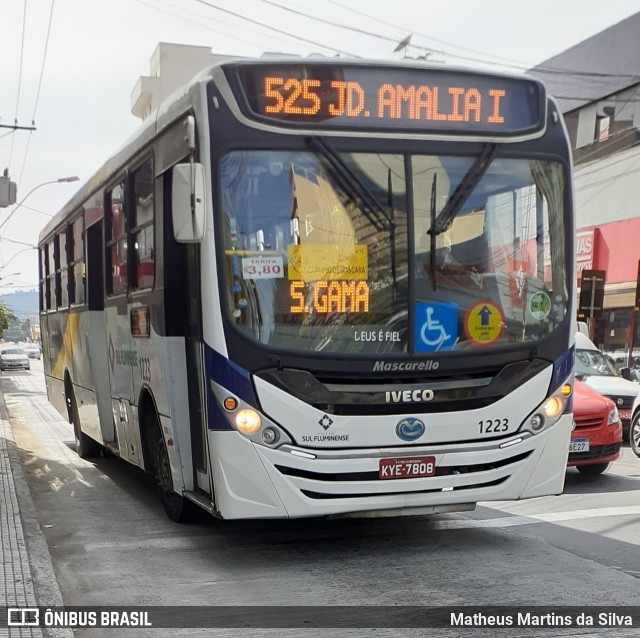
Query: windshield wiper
(372, 209)
(463, 190)
(432, 232)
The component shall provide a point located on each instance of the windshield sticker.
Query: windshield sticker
(263, 267)
(436, 326)
(483, 323)
(540, 305)
(379, 336)
(317, 262)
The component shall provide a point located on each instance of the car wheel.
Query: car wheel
(593, 469)
(634, 434)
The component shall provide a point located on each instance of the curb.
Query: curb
(29, 576)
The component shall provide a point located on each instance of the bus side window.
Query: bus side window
(77, 273)
(142, 216)
(116, 241)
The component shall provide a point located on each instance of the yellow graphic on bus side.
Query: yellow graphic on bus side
(69, 342)
(320, 262)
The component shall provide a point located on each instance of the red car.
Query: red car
(597, 435)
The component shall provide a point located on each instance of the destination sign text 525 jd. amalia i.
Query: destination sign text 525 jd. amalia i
(385, 97)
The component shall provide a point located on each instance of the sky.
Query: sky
(68, 67)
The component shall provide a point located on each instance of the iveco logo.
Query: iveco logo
(410, 429)
(408, 396)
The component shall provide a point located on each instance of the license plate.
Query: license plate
(579, 445)
(407, 467)
(625, 415)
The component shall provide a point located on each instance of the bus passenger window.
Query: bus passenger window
(116, 244)
(77, 275)
(142, 227)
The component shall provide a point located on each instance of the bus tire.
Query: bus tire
(594, 469)
(634, 434)
(86, 447)
(177, 508)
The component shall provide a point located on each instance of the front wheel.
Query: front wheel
(634, 434)
(86, 447)
(594, 469)
(177, 508)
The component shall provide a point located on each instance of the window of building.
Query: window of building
(142, 240)
(116, 241)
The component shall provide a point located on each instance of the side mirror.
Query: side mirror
(188, 202)
(625, 373)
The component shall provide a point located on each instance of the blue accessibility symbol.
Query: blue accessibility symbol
(436, 326)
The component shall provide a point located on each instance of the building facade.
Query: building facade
(597, 83)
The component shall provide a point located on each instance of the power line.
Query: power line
(200, 17)
(510, 62)
(44, 59)
(331, 23)
(24, 28)
(266, 26)
(35, 107)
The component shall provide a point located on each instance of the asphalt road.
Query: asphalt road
(111, 543)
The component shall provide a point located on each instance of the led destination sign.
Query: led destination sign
(410, 99)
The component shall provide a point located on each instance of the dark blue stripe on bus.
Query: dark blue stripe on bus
(230, 376)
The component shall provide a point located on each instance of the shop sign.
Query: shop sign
(584, 250)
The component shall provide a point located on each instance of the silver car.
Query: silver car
(32, 350)
(12, 358)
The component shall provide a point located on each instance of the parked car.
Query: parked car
(14, 357)
(634, 432)
(32, 350)
(597, 434)
(595, 369)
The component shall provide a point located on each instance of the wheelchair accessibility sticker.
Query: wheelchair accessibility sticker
(483, 323)
(436, 326)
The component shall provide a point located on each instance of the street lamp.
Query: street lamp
(74, 178)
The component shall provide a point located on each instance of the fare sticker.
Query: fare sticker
(483, 323)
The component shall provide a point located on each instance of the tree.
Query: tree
(6, 317)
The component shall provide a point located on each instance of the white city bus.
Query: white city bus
(323, 287)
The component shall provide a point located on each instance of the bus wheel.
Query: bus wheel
(177, 508)
(86, 447)
(634, 434)
(593, 469)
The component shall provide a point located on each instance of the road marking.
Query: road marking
(531, 519)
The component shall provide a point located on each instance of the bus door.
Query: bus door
(97, 349)
(121, 356)
(183, 305)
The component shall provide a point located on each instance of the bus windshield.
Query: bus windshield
(386, 253)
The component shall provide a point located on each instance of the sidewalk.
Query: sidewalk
(27, 578)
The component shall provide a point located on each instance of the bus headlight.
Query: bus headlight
(553, 407)
(613, 416)
(248, 421)
(549, 411)
(245, 419)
